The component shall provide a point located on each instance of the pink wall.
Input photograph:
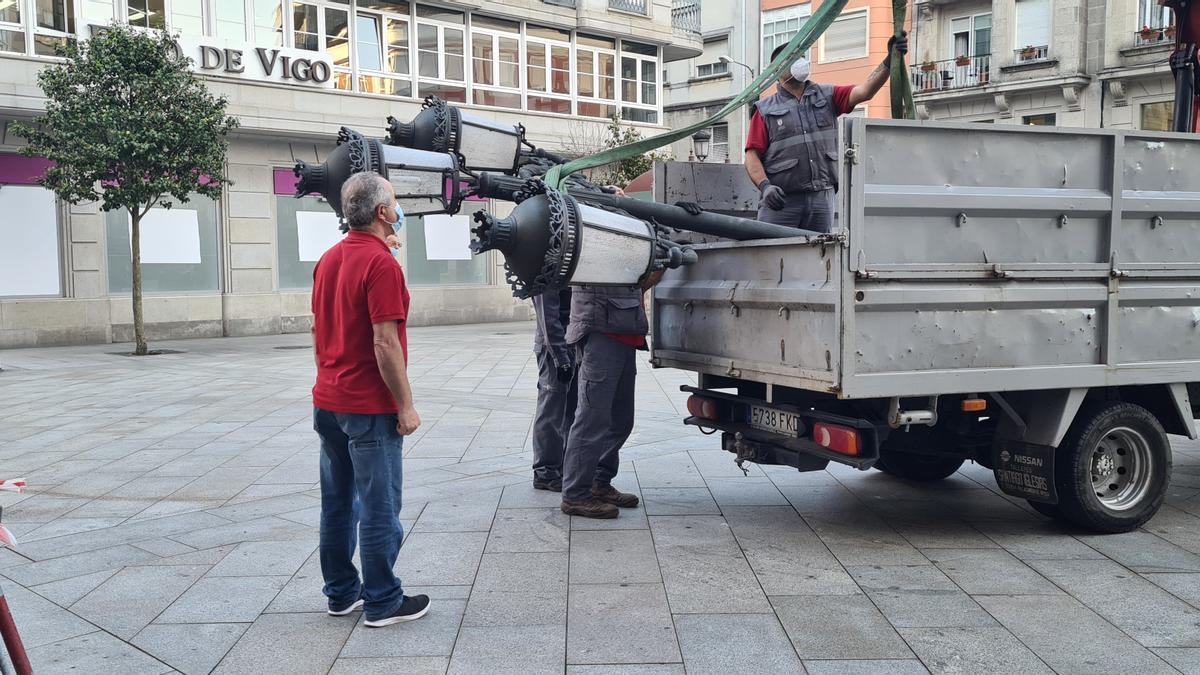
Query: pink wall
(21, 170)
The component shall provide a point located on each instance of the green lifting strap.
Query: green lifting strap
(903, 107)
(799, 44)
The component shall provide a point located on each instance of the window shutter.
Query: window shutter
(1033, 23)
(846, 38)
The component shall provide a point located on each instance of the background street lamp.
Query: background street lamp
(700, 141)
(726, 59)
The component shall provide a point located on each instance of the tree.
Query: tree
(622, 172)
(128, 125)
(586, 138)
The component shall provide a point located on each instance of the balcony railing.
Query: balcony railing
(1031, 54)
(685, 16)
(959, 73)
(635, 6)
(1148, 37)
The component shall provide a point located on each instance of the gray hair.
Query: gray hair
(361, 194)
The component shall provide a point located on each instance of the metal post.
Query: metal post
(12, 639)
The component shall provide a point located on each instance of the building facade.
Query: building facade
(294, 71)
(695, 89)
(1082, 63)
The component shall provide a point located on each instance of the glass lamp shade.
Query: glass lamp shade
(424, 182)
(550, 240)
(700, 143)
(484, 144)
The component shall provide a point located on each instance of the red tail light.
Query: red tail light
(704, 408)
(842, 440)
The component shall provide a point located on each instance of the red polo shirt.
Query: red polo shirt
(355, 284)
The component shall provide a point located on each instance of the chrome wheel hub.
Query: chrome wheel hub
(1121, 469)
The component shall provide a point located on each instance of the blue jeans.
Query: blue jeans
(360, 502)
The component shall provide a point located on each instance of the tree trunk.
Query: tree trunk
(135, 247)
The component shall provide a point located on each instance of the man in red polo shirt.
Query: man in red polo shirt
(363, 407)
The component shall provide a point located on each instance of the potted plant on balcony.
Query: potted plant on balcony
(928, 67)
(1148, 34)
(1170, 32)
(1029, 52)
(962, 60)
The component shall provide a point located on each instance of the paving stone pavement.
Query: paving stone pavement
(171, 521)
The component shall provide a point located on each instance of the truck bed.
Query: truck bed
(967, 258)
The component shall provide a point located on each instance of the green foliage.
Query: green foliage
(622, 172)
(128, 125)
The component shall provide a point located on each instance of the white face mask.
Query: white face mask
(801, 69)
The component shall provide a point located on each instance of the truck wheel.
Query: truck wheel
(1112, 469)
(920, 468)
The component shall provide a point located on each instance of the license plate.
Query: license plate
(775, 421)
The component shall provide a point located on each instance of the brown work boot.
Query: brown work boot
(589, 508)
(605, 492)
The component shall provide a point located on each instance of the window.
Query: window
(325, 28)
(496, 62)
(54, 21)
(230, 19)
(29, 246)
(718, 150)
(146, 13)
(779, 26)
(595, 75)
(710, 63)
(12, 33)
(639, 82)
(382, 44)
(846, 38)
(441, 55)
(426, 263)
(1151, 15)
(1033, 24)
(267, 23)
(971, 36)
(1045, 120)
(547, 69)
(1158, 116)
(187, 18)
(179, 249)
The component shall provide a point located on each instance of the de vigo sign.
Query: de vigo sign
(213, 56)
(263, 64)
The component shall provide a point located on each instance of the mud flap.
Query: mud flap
(1026, 471)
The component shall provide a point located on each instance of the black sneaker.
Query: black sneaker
(551, 484)
(413, 608)
(343, 611)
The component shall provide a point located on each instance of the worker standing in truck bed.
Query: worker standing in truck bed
(791, 147)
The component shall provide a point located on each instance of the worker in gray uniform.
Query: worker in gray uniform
(556, 387)
(608, 325)
(792, 143)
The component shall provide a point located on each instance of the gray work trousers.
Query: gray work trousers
(603, 417)
(555, 414)
(805, 210)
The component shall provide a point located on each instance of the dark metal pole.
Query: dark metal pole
(716, 224)
(497, 186)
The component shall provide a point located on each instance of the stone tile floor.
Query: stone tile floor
(171, 526)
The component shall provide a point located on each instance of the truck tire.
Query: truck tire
(920, 468)
(1112, 469)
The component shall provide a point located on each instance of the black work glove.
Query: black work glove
(566, 366)
(692, 208)
(772, 195)
(565, 373)
(900, 42)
